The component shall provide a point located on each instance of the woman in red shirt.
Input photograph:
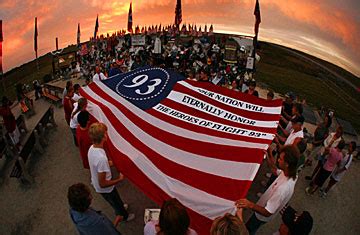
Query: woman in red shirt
(68, 105)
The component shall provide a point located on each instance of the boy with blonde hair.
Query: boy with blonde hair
(101, 177)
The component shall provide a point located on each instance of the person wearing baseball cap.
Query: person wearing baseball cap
(294, 223)
(296, 134)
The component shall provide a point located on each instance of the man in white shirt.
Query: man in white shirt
(278, 194)
(76, 95)
(99, 76)
(296, 134)
(101, 177)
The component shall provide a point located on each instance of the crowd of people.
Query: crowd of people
(206, 58)
(201, 59)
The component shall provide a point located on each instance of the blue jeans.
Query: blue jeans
(116, 203)
(253, 224)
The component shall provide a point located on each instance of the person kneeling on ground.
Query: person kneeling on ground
(101, 177)
(87, 220)
(173, 220)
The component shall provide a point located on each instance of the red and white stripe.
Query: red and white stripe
(167, 156)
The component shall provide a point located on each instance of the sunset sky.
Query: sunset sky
(329, 29)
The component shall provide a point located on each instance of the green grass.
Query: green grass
(283, 71)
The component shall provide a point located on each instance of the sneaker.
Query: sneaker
(130, 217)
(259, 194)
(268, 175)
(308, 177)
(263, 183)
(126, 206)
(323, 194)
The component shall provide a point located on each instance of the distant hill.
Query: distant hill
(284, 69)
(280, 68)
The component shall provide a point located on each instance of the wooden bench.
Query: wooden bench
(35, 143)
(26, 106)
(51, 93)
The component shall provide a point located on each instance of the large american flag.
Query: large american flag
(194, 141)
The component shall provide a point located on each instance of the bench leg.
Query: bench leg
(9, 153)
(37, 145)
(41, 131)
(25, 177)
(52, 118)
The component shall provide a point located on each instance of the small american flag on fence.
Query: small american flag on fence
(172, 137)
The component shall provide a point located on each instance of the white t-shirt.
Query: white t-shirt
(345, 162)
(293, 135)
(328, 140)
(288, 127)
(73, 121)
(76, 97)
(276, 196)
(157, 46)
(149, 228)
(98, 164)
(98, 77)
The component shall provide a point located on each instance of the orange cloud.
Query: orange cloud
(327, 19)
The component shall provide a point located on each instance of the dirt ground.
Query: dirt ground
(42, 207)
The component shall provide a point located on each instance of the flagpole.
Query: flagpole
(256, 29)
(1, 60)
(35, 44)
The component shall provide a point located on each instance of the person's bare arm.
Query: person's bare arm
(271, 160)
(244, 203)
(239, 214)
(286, 134)
(296, 141)
(280, 138)
(103, 182)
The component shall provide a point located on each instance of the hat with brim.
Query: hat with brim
(290, 95)
(298, 224)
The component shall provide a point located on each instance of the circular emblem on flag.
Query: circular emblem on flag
(143, 84)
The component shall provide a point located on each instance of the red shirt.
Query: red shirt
(84, 142)
(68, 108)
(9, 119)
